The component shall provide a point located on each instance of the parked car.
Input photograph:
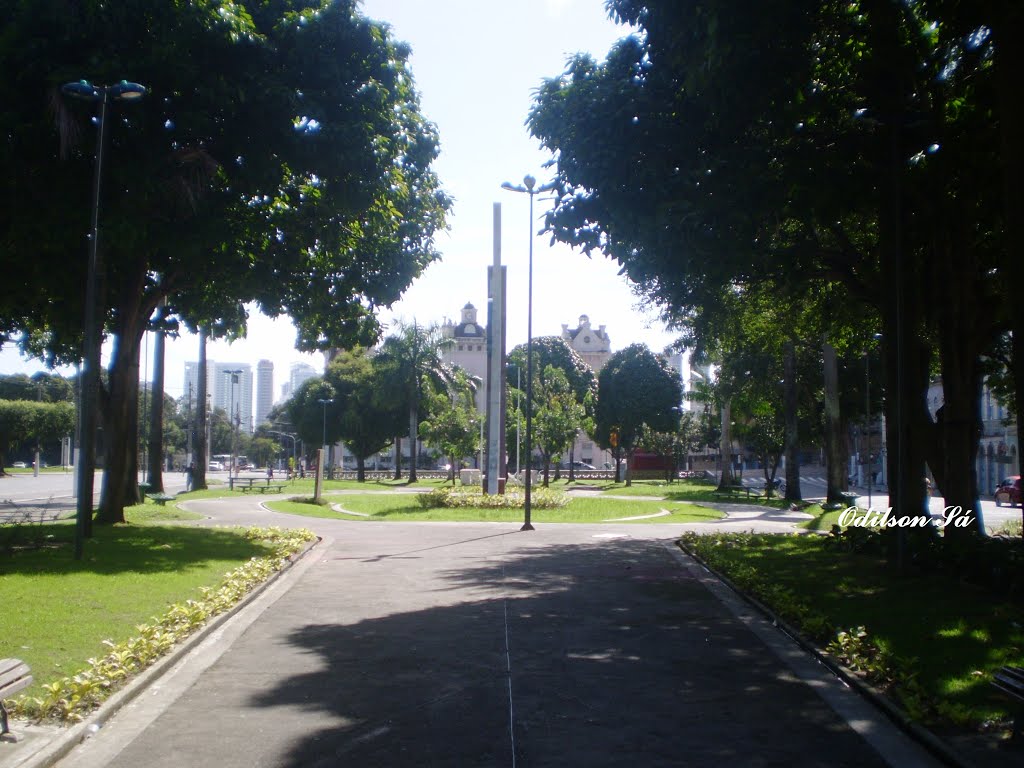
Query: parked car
(1008, 491)
(20, 465)
(579, 465)
(216, 466)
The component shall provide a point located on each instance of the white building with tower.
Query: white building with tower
(469, 349)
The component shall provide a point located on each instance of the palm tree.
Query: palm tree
(416, 357)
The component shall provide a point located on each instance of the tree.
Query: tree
(635, 388)
(316, 422)
(558, 417)
(23, 420)
(857, 148)
(297, 177)
(415, 361)
(553, 351)
(368, 419)
(262, 451)
(454, 424)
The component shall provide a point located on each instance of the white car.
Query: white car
(20, 465)
(216, 466)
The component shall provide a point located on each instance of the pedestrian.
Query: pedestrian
(270, 474)
(190, 472)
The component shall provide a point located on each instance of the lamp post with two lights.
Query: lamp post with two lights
(86, 463)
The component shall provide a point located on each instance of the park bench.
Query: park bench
(1010, 682)
(278, 488)
(731, 490)
(161, 498)
(14, 677)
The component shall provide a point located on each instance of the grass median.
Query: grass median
(407, 508)
(931, 639)
(58, 612)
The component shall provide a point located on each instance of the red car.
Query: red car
(1008, 491)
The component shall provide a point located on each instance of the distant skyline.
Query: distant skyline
(476, 66)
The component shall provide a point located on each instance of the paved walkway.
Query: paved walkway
(441, 644)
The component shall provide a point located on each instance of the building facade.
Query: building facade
(998, 447)
(264, 390)
(233, 397)
(469, 349)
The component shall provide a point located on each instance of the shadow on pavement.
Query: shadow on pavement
(597, 654)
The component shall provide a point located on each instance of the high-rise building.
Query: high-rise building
(233, 392)
(300, 372)
(233, 397)
(264, 390)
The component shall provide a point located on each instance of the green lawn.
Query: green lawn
(579, 510)
(683, 490)
(57, 611)
(949, 634)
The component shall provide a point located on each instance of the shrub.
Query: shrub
(461, 498)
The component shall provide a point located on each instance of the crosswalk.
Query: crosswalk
(813, 482)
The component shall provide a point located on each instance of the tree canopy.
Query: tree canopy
(861, 149)
(280, 156)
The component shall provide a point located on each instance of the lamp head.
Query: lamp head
(529, 181)
(125, 91)
(83, 89)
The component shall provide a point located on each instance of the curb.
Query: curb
(57, 747)
(935, 746)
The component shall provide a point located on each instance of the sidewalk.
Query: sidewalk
(438, 644)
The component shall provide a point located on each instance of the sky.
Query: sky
(476, 65)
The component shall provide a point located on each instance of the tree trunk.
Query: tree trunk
(360, 469)
(908, 422)
(121, 473)
(959, 419)
(792, 422)
(629, 466)
(834, 465)
(414, 423)
(156, 418)
(200, 459)
(398, 458)
(725, 447)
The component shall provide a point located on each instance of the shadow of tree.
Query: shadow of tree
(461, 653)
(129, 548)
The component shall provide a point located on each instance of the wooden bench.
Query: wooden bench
(279, 488)
(1010, 682)
(14, 677)
(729, 490)
(160, 498)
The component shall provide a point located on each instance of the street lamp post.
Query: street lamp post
(867, 414)
(86, 464)
(527, 187)
(324, 402)
(289, 436)
(519, 389)
(233, 421)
